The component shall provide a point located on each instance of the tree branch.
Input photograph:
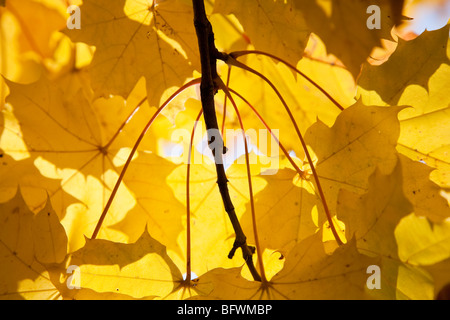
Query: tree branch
(208, 88)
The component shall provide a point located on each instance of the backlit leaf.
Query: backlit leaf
(151, 39)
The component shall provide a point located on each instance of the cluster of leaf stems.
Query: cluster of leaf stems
(210, 82)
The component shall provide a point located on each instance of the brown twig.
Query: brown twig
(208, 88)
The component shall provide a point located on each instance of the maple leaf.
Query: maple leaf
(424, 244)
(285, 213)
(27, 243)
(140, 269)
(423, 193)
(206, 210)
(362, 139)
(150, 39)
(35, 36)
(372, 217)
(342, 25)
(272, 26)
(424, 135)
(305, 101)
(73, 113)
(68, 140)
(433, 53)
(384, 232)
(308, 273)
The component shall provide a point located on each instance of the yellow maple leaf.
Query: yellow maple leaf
(82, 143)
(286, 212)
(423, 194)
(272, 26)
(26, 245)
(343, 26)
(373, 219)
(362, 139)
(424, 132)
(425, 245)
(308, 274)
(425, 63)
(140, 270)
(150, 39)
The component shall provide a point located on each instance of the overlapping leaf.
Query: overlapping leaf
(272, 26)
(59, 141)
(362, 139)
(424, 128)
(342, 25)
(27, 242)
(134, 39)
(309, 273)
(304, 100)
(72, 139)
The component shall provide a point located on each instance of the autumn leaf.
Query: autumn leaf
(139, 269)
(49, 236)
(342, 25)
(336, 159)
(27, 242)
(287, 211)
(386, 214)
(150, 39)
(308, 273)
(423, 193)
(305, 101)
(381, 211)
(424, 63)
(206, 210)
(317, 275)
(433, 243)
(35, 36)
(85, 156)
(272, 26)
(362, 139)
(424, 135)
(441, 279)
(424, 244)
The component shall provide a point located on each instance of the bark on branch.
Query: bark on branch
(208, 88)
